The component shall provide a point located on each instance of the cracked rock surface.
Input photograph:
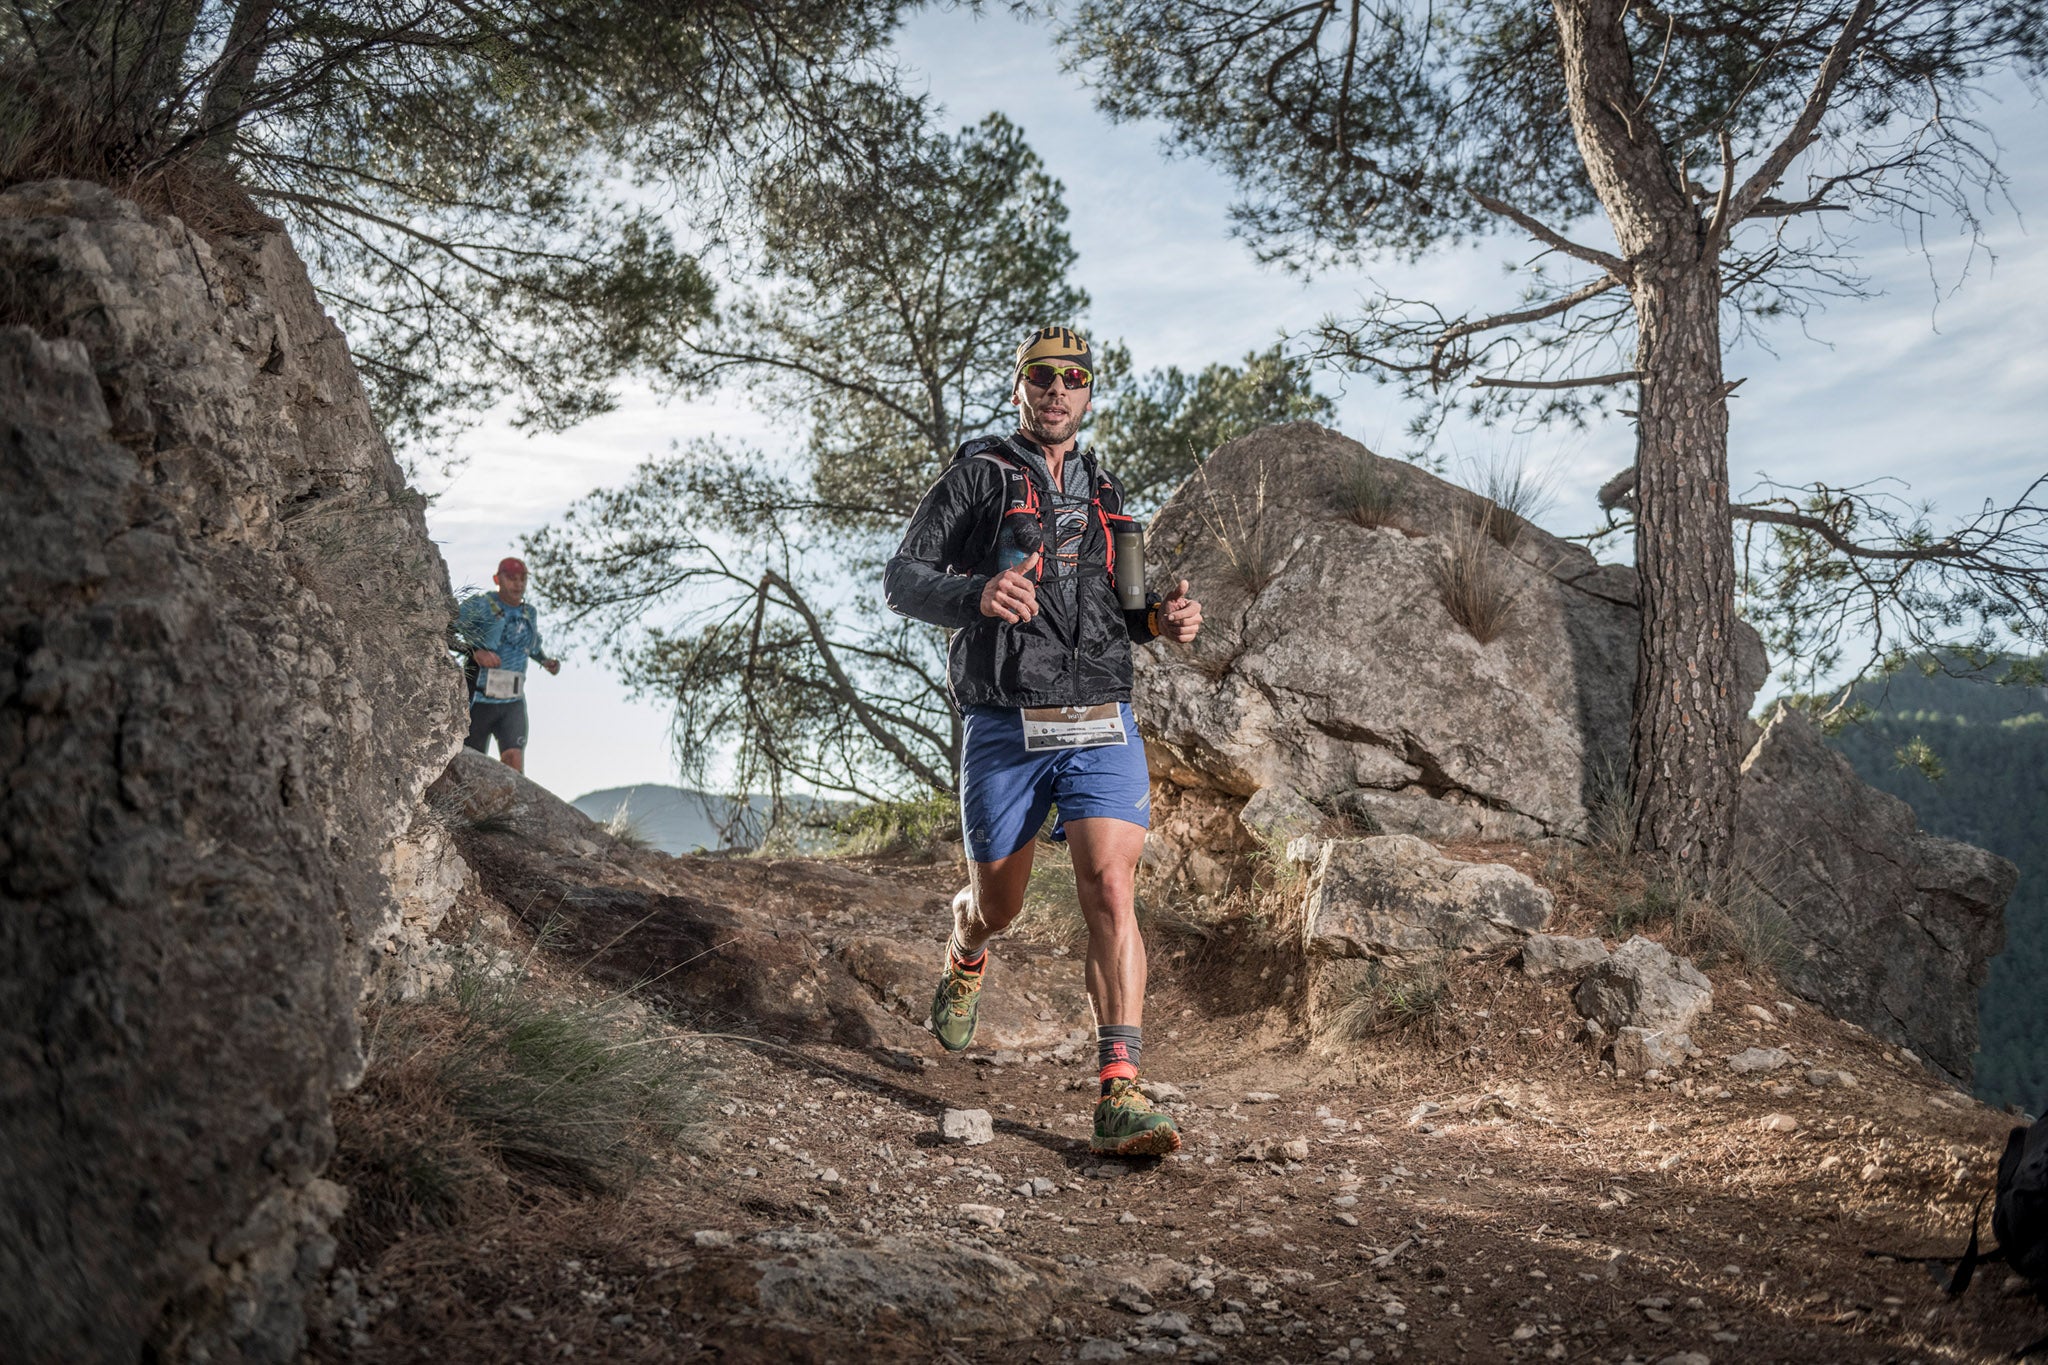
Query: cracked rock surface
(1888, 926)
(222, 690)
(1331, 669)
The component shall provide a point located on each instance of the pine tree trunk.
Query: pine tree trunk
(1682, 742)
(1682, 761)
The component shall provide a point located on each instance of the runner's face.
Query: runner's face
(1050, 416)
(511, 587)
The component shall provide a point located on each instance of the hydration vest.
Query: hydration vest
(1020, 499)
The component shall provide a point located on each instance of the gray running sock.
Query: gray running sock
(960, 956)
(1116, 1051)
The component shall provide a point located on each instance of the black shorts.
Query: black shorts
(505, 719)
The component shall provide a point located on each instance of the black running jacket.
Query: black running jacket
(1075, 652)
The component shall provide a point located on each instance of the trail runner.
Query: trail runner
(1011, 550)
(498, 632)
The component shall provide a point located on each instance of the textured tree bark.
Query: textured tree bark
(1682, 741)
(1682, 762)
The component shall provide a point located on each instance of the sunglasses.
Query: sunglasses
(1073, 376)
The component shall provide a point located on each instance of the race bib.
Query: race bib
(503, 684)
(1073, 727)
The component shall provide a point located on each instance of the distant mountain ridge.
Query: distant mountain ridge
(675, 820)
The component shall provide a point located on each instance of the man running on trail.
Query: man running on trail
(498, 632)
(1011, 550)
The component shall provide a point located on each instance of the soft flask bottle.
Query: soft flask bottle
(1130, 565)
(1021, 538)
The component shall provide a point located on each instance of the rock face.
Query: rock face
(1890, 928)
(1330, 672)
(1396, 899)
(1641, 985)
(222, 690)
(1332, 684)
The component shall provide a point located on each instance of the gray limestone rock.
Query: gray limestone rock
(1395, 898)
(223, 688)
(1757, 1059)
(1278, 814)
(1891, 928)
(1639, 1050)
(1641, 985)
(937, 1284)
(1548, 955)
(971, 1127)
(1335, 672)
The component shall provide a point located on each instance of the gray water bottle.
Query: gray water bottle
(1130, 565)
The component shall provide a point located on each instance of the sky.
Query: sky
(1937, 382)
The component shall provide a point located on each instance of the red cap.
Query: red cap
(510, 565)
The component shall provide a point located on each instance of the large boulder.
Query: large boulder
(222, 691)
(1889, 927)
(1330, 672)
(1332, 682)
(1395, 899)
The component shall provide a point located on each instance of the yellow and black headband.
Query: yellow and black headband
(1055, 346)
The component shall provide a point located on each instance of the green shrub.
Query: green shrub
(895, 826)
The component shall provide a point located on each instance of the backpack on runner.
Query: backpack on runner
(1020, 527)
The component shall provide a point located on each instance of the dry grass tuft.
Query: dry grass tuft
(1511, 498)
(624, 829)
(1474, 580)
(1052, 908)
(1247, 529)
(477, 1101)
(1620, 893)
(1383, 998)
(1365, 494)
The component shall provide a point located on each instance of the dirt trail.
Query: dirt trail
(1483, 1192)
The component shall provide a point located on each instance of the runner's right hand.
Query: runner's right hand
(486, 659)
(1011, 595)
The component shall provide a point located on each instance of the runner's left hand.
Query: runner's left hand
(552, 665)
(1180, 616)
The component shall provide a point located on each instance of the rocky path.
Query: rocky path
(1482, 1190)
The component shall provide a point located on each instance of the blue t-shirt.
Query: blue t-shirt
(512, 633)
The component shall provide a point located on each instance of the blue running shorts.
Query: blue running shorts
(1005, 790)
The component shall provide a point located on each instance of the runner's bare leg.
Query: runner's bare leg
(992, 899)
(1106, 855)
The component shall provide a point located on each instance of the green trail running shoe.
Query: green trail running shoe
(955, 1005)
(1126, 1124)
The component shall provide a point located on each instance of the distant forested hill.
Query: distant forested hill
(1992, 742)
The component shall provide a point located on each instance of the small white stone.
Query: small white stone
(982, 1215)
(971, 1127)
